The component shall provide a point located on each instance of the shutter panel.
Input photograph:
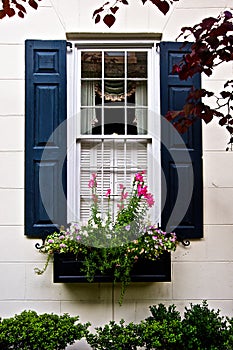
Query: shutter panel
(182, 186)
(45, 137)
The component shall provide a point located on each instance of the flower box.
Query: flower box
(67, 269)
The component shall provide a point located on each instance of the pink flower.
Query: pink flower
(124, 195)
(107, 194)
(150, 199)
(122, 187)
(139, 177)
(62, 245)
(142, 191)
(92, 183)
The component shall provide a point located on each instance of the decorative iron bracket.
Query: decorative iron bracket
(184, 241)
(43, 237)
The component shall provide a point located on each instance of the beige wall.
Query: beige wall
(202, 271)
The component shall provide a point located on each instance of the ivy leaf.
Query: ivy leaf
(144, 1)
(109, 20)
(125, 2)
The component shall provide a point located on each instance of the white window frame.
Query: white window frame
(73, 109)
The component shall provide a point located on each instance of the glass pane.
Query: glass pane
(114, 91)
(137, 93)
(91, 92)
(137, 121)
(114, 120)
(91, 64)
(91, 121)
(137, 64)
(114, 64)
(115, 162)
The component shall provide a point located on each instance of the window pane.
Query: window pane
(91, 121)
(137, 121)
(114, 119)
(115, 162)
(137, 93)
(137, 64)
(114, 91)
(91, 93)
(114, 64)
(91, 64)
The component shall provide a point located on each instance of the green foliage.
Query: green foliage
(30, 331)
(163, 329)
(112, 245)
(115, 336)
(161, 313)
(200, 329)
(161, 334)
(204, 329)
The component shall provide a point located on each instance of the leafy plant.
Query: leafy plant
(109, 9)
(163, 329)
(115, 336)
(109, 246)
(212, 47)
(9, 7)
(204, 329)
(30, 331)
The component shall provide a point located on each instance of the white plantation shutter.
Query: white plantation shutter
(115, 161)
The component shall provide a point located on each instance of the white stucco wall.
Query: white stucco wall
(202, 271)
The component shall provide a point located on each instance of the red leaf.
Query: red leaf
(225, 94)
(98, 11)
(162, 5)
(10, 12)
(109, 20)
(230, 129)
(21, 14)
(21, 9)
(97, 19)
(114, 9)
(228, 14)
(33, 4)
(223, 121)
(2, 14)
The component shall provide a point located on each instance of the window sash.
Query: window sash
(153, 145)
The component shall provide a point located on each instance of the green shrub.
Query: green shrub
(163, 329)
(204, 329)
(29, 331)
(161, 312)
(115, 336)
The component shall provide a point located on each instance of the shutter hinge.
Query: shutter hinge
(158, 47)
(69, 45)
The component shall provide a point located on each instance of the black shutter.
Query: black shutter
(45, 137)
(182, 186)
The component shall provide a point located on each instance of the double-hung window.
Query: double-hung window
(112, 110)
(112, 125)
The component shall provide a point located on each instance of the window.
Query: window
(114, 130)
(110, 99)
